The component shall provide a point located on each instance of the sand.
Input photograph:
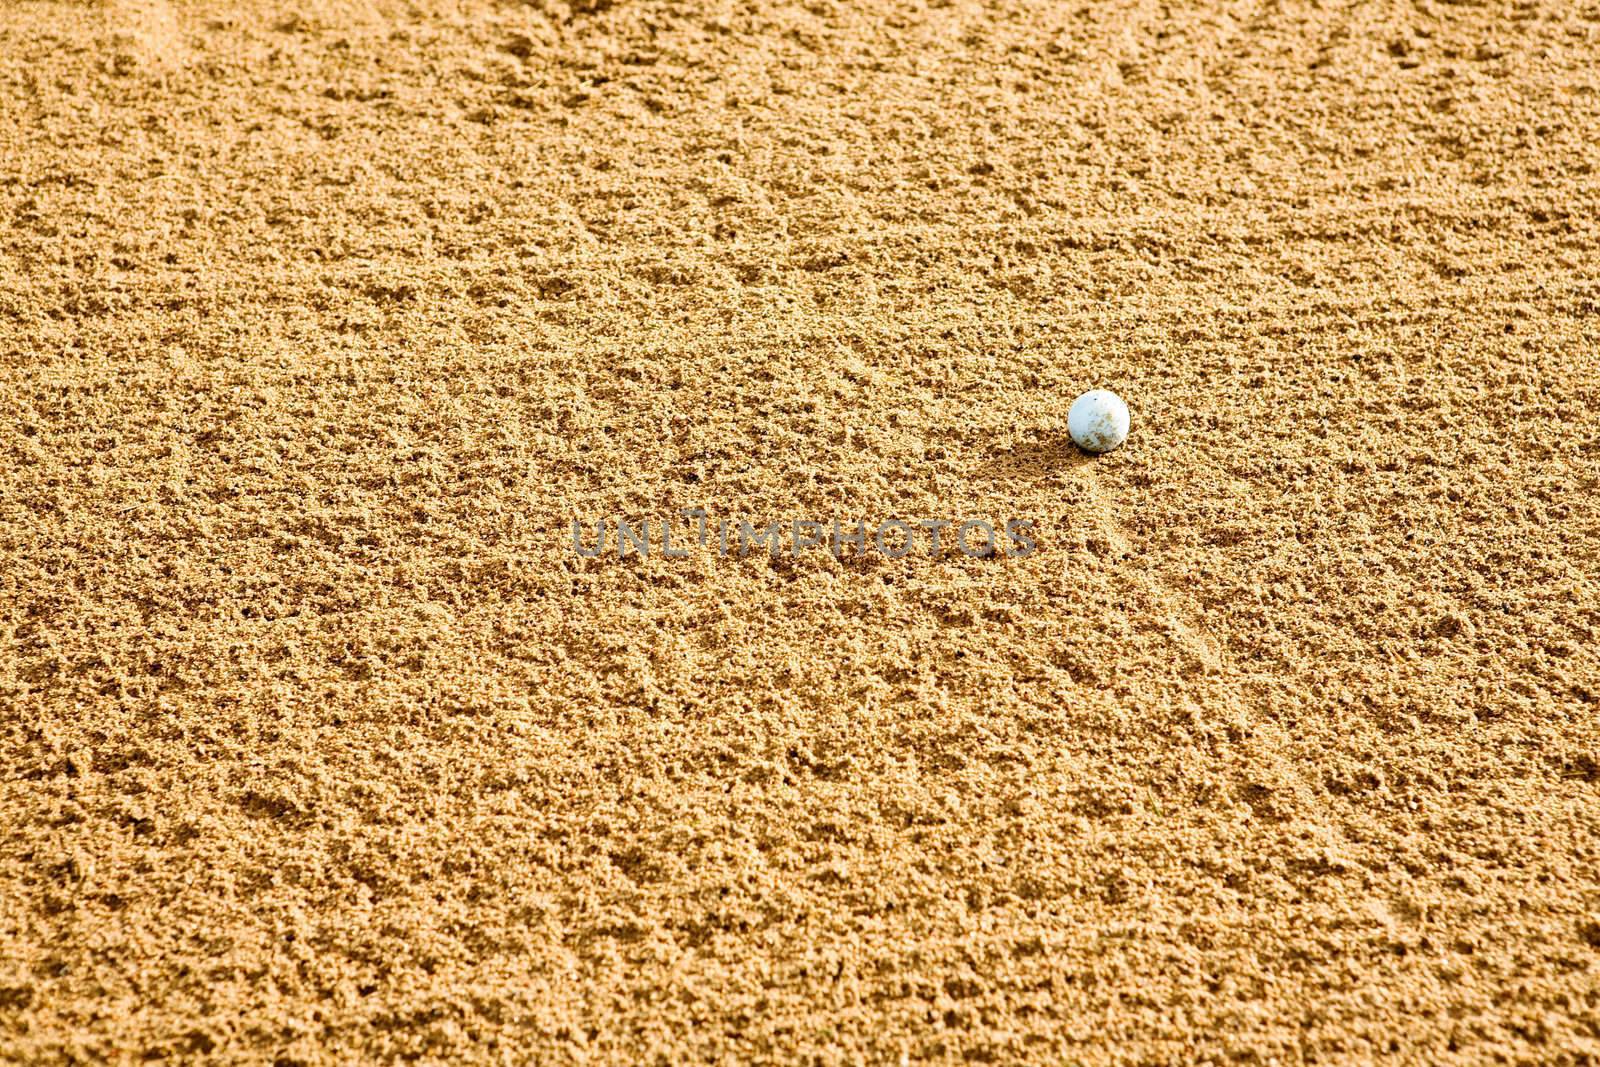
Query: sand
(322, 321)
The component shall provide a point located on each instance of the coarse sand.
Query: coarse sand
(323, 321)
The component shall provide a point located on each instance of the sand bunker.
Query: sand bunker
(321, 323)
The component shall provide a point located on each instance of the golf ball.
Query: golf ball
(1098, 421)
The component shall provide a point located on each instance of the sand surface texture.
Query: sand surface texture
(321, 322)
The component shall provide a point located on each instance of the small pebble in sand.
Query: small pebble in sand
(1098, 421)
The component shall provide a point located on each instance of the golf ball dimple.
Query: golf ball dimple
(1098, 421)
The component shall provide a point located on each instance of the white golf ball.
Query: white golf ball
(1098, 421)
